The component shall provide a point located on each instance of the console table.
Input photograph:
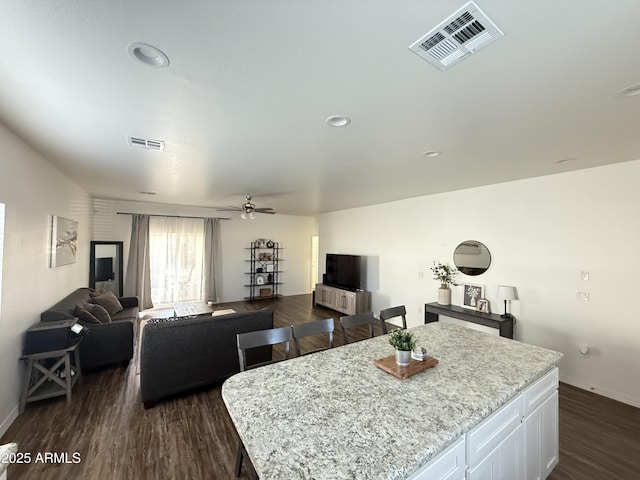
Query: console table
(432, 311)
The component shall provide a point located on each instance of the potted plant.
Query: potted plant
(445, 274)
(403, 341)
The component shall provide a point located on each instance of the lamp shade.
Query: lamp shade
(506, 292)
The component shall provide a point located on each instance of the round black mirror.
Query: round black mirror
(472, 258)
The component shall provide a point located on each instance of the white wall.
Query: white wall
(292, 232)
(32, 191)
(542, 233)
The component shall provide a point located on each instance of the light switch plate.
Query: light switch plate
(584, 274)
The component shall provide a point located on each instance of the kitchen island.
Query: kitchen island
(335, 415)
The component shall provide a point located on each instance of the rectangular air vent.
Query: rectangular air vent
(463, 33)
(146, 143)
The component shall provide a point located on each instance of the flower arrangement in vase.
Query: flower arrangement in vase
(403, 341)
(446, 275)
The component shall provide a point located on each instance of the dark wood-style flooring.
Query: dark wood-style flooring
(192, 436)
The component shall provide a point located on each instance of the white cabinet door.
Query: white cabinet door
(541, 439)
(447, 465)
(505, 462)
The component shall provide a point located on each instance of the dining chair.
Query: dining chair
(357, 320)
(393, 312)
(246, 341)
(261, 338)
(308, 329)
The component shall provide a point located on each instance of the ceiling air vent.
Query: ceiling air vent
(146, 143)
(463, 33)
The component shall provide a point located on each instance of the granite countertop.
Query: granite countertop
(335, 415)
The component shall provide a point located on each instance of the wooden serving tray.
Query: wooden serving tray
(389, 365)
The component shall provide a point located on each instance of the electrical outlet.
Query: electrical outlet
(581, 295)
(420, 274)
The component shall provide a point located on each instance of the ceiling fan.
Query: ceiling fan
(248, 209)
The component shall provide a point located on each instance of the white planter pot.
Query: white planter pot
(403, 357)
(444, 296)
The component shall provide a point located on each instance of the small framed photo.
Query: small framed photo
(483, 305)
(471, 294)
(269, 267)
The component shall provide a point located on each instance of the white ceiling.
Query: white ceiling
(243, 103)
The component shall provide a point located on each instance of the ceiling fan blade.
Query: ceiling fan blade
(230, 209)
(265, 210)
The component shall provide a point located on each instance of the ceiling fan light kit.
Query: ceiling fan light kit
(248, 209)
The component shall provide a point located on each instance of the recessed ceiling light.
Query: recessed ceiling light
(148, 54)
(431, 153)
(338, 120)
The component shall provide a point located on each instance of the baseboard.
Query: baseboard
(605, 392)
(4, 426)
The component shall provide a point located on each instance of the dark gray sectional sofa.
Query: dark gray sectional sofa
(106, 344)
(183, 354)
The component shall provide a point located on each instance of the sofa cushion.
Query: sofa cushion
(92, 313)
(109, 301)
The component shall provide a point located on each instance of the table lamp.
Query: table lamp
(507, 294)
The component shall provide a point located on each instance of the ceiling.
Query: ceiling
(242, 105)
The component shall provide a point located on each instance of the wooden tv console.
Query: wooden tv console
(345, 301)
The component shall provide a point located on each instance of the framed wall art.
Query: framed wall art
(471, 294)
(64, 241)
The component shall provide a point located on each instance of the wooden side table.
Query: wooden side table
(41, 380)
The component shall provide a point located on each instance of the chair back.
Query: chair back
(308, 329)
(260, 338)
(357, 320)
(392, 312)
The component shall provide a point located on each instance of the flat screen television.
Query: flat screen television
(104, 269)
(343, 271)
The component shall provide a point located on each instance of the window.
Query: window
(176, 252)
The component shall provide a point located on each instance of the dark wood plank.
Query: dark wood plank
(192, 436)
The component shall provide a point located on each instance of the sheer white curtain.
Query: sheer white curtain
(176, 252)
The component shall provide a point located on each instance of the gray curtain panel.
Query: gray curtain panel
(138, 280)
(211, 259)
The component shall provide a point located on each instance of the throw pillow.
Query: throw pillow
(100, 291)
(85, 315)
(92, 313)
(110, 303)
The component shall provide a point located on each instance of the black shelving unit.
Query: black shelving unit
(264, 270)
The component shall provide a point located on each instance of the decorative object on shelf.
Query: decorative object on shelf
(445, 274)
(264, 256)
(248, 209)
(265, 292)
(270, 278)
(260, 280)
(269, 267)
(404, 342)
(472, 258)
(259, 270)
(483, 306)
(64, 241)
(472, 292)
(270, 244)
(507, 293)
(260, 243)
